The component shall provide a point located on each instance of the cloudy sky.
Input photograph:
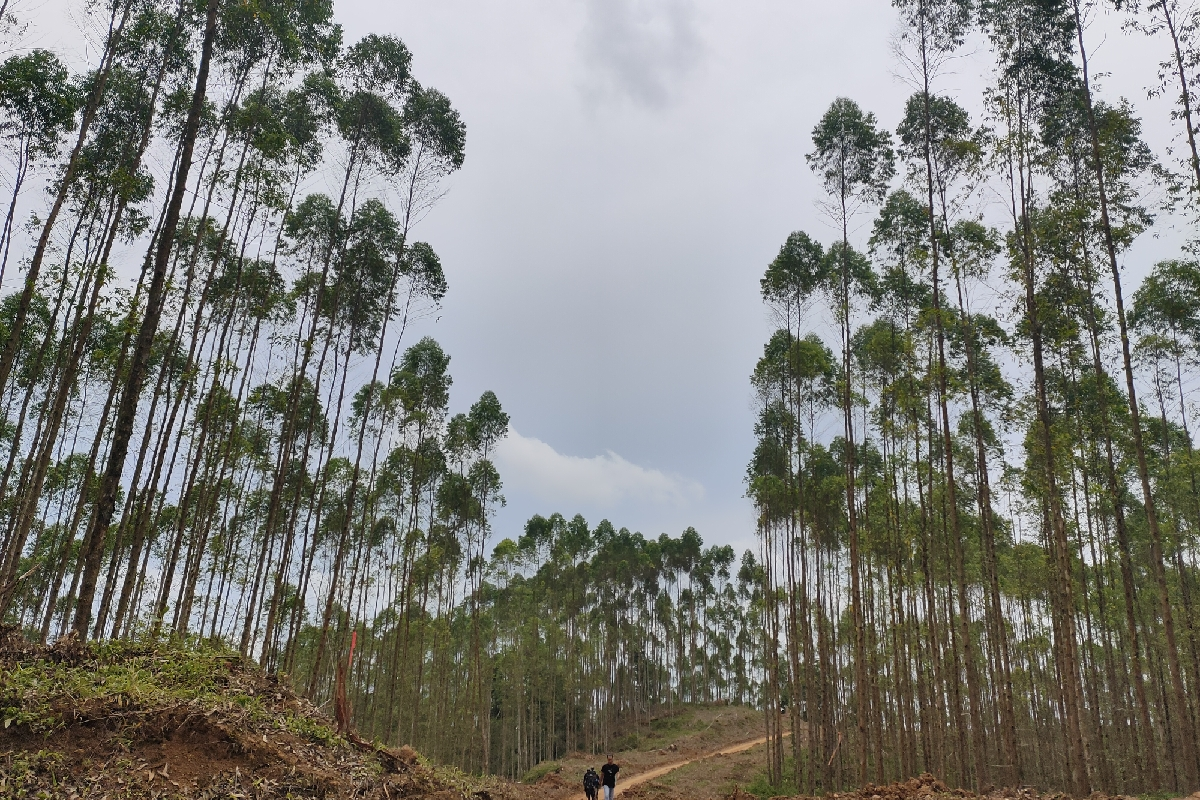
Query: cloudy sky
(632, 166)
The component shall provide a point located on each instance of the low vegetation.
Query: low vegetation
(159, 720)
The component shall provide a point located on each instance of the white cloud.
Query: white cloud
(530, 465)
(641, 48)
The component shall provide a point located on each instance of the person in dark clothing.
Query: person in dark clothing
(609, 771)
(591, 783)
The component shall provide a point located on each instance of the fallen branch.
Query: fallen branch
(833, 755)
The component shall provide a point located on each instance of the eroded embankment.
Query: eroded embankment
(161, 721)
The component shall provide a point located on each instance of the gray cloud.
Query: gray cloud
(640, 49)
(604, 267)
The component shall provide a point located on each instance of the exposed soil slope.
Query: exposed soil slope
(152, 721)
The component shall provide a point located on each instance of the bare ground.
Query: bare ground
(719, 776)
(662, 742)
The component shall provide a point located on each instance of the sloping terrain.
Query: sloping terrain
(671, 737)
(157, 721)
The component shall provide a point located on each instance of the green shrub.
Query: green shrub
(761, 787)
(540, 771)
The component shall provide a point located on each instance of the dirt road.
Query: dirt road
(658, 772)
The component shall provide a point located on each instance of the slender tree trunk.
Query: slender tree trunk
(1186, 736)
(127, 410)
(113, 42)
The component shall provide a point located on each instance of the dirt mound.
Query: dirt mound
(922, 786)
(555, 780)
(927, 786)
(164, 721)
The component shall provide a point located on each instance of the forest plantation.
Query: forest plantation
(975, 487)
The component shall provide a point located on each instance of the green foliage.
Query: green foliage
(761, 785)
(851, 155)
(136, 675)
(38, 101)
(540, 771)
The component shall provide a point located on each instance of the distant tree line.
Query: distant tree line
(584, 636)
(975, 478)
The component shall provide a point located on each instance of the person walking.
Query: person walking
(591, 783)
(609, 771)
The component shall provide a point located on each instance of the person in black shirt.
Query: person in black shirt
(609, 771)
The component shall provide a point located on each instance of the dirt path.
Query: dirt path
(658, 772)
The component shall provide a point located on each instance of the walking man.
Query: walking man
(591, 783)
(610, 771)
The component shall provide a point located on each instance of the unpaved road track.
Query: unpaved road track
(658, 772)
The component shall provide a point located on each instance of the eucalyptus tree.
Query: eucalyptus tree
(1072, 240)
(1180, 24)
(785, 380)
(269, 130)
(119, 13)
(855, 162)
(1032, 42)
(109, 180)
(935, 139)
(1163, 311)
(91, 162)
(436, 141)
(93, 543)
(38, 102)
(485, 426)
(371, 77)
(901, 356)
(225, 49)
(970, 248)
(1051, 555)
(1115, 168)
(257, 486)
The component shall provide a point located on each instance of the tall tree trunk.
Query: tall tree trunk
(1186, 736)
(127, 410)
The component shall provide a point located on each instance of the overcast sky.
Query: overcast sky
(632, 166)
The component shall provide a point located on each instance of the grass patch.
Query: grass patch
(107, 720)
(20, 773)
(540, 771)
(99, 680)
(760, 786)
(671, 723)
(662, 730)
(631, 741)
